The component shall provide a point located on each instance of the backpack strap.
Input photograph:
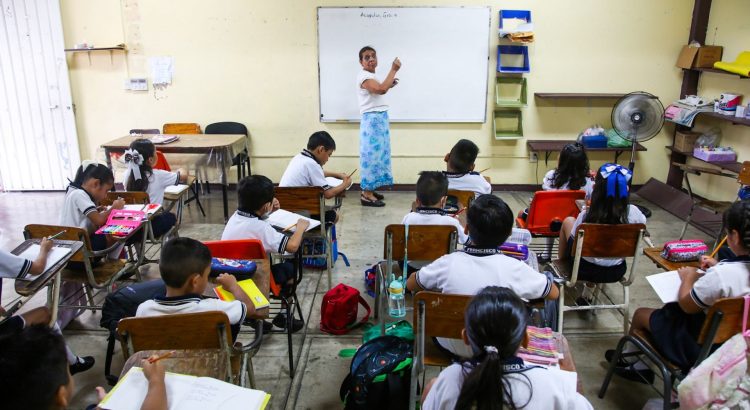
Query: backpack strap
(363, 302)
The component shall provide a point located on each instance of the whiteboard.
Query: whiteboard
(444, 53)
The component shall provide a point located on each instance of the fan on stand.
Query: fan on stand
(637, 117)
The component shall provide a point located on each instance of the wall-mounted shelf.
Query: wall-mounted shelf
(579, 96)
(119, 47)
(715, 71)
(730, 118)
(735, 167)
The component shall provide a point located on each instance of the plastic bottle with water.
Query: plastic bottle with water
(396, 302)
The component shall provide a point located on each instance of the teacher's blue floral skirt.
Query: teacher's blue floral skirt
(375, 151)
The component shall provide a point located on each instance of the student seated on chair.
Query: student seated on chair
(432, 191)
(460, 169)
(490, 222)
(609, 205)
(184, 264)
(675, 327)
(141, 176)
(255, 202)
(494, 377)
(306, 169)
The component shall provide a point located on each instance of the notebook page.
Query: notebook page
(130, 391)
(334, 182)
(175, 189)
(284, 219)
(666, 285)
(54, 255)
(208, 394)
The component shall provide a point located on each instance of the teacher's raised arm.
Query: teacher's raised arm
(374, 129)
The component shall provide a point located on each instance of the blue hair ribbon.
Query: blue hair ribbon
(617, 178)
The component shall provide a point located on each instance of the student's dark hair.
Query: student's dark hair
(95, 171)
(319, 138)
(33, 366)
(495, 323)
(181, 258)
(147, 150)
(253, 192)
(463, 155)
(490, 221)
(737, 218)
(607, 209)
(431, 186)
(572, 167)
(363, 50)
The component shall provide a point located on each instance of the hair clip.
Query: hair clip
(490, 349)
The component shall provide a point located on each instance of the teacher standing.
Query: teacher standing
(374, 129)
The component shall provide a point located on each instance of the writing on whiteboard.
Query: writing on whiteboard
(378, 15)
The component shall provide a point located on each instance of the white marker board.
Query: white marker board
(444, 53)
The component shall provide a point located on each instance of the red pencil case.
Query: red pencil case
(683, 251)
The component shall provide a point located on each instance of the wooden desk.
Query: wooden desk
(262, 279)
(220, 148)
(655, 255)
(550, 146)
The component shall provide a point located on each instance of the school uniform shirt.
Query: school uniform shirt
(76, 208)
(304, 170)
(469, 181)
(531, 386)
(13, 266)
(729, 278)
(368, 101)
(434, 216)
(634, 217)
(159, 306)
(243, 225)
(549, 180)
(158, 181)
(468, 272)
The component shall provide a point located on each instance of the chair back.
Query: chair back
(723, 320)
(37, 231)
(161, 162)
(144, 131)
(744, 176)
(237, 249)
(130, 197)
(608, 241)
(462, 197)
(426, 242)
(181, 128)
(301, 199)
(443, 314)
(226, 127)
(548, 209)
(205, 330)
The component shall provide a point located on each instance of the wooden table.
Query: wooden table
(655, 255)
(223, 147)
(262, 279)
(550, 146)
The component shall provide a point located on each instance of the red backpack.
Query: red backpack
(338, 313)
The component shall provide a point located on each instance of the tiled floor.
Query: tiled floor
(319, 369)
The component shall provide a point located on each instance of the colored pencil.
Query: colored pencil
(164, 356)
(718, 246)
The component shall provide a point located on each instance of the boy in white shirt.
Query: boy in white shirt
(184, 265)
(306, 169)
(255, 202)
(460, 173)
(490, 222)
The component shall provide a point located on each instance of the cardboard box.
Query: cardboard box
(699, 57)
(685, 140)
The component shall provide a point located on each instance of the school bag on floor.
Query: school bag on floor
(379, 375)
(338, 312)
(121, 304)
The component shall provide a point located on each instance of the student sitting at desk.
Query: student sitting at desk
(460, 173)
(306, 169)
(184, 264)
(255, 201)
(141, 176)
(490, 222)
(572, 171)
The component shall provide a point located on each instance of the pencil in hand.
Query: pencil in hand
(153, 360)
(57, 235)
(718, 247)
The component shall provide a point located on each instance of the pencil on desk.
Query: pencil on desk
(164, 356)
(57, 235)
(718, 246)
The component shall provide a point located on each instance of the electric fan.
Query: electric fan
(637, 117)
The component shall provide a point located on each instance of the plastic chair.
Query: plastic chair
(602, 241)
(723, 320)
(547, 211)
(242, 159)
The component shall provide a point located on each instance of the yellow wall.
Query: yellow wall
(255, 62)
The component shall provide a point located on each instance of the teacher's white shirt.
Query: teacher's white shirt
(368, 101)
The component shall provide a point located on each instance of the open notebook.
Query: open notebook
(286, 220)
(334, 182)
(184, 393)
(176, 189)
(54, 256)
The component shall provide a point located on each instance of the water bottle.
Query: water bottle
(396, 302)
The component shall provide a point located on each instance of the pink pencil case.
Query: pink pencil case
(122, 222)
(684, 251)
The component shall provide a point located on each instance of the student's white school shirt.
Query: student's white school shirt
(158, 181)
(368, 101)
(549, 179)
(634, 217)
(460, 273)
(470, 181)
(76, 208)
(13, 266)
(235, 309)
(433, 216)
(243, 225)
(534, 387)
(729, 278)
(304, 170)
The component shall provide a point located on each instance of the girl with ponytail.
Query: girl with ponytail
(495, 378)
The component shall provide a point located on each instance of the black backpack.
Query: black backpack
(121, 304)
(379, 375)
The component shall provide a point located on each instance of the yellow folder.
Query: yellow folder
(250, 289)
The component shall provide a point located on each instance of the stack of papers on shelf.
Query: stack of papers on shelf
(287, 221)
(684, 114)
(517, 30)
(164, 138)
(54, 255)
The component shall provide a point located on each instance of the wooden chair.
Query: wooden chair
(435, 315)
(181, 128)
(206, 330)
(547, 211)
(425, 243)
(309, 201)
(602, 241)
(464, 198)
(723, 320)
(717, 207)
